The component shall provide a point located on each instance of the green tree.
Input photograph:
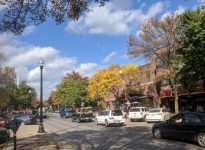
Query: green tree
(71, 91)
(18, 14)
(192, 39)
(23, 96)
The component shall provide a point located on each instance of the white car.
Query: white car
(138, 113)
(108, 117)
(158, 114)
(44, 113)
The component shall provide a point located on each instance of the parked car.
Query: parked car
(4, 135)
(186, 126)
(108, 117)
(157, 114)
(97, 112)
(27, 119)
(66, 114)
(138, 113)
(80, 117)
(44, 113)
(4, 123)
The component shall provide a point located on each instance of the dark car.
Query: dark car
(186, 126)
(4, 135)
(66, 114)
(79, 117)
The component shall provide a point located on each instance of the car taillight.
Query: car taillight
(111, 117)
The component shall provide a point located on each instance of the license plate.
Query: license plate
(117, 121)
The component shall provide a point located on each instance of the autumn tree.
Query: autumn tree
(51, 99)
(7, 78)
(112, 80)
(158, 40)
(192, 39)
(71, 91)
(18, 14)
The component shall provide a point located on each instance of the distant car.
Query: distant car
(108, 117)
(157, 114)
(4, 123)
(187, 126)
(80, 117)
(138, 113)
(4, 135)
(66, 114)
(27, 119)
(44, 113)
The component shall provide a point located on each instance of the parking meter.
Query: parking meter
(14, 125)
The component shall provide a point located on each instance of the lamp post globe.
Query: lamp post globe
(41, 127)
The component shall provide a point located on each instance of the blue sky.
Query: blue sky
(97, 40)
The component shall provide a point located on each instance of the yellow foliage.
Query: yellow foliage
(111, 80)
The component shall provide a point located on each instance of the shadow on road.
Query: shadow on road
(119, 138)
(126, 138)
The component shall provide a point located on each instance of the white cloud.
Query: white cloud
(180, 10)
(112, 19)
(86, 69)
(32, 56)
(25, 58)
(167, 13)
(29, 30)
(109, 57)
(155, 9)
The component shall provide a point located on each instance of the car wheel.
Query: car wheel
(157, 133)
(201, 139)
(106, 123)
(96, 121)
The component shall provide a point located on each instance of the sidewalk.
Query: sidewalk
(29, 139)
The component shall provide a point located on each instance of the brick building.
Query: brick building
(160, 94)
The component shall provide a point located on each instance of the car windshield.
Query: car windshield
(155, 110)
(86, 115)
(134, 109)
(116, 113)
(25, 117)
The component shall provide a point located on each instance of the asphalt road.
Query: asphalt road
(132, 136)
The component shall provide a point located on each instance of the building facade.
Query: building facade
(142, 96)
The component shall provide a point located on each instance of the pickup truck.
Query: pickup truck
(80, 117)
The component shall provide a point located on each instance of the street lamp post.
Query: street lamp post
(41, 127)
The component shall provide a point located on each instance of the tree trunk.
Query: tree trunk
(176, 100)
(156, 96)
